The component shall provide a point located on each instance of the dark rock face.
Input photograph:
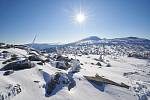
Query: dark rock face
(61, 65)
(98, 80)
(72, 84)
(51, 86)
(99, 64)
(34, 58)
(57, 82)
(17, 66)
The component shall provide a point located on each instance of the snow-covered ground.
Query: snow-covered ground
(130, 71)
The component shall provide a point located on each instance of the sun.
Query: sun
(80, 18)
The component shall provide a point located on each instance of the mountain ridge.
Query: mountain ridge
(94, 40)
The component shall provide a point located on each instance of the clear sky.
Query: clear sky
(53, 20)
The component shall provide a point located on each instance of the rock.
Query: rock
(108, 65)
(98, 80)
(99, 64)
(61, 80)
(34, 58)
(14, 57)
(5, 52)
(36, 81)
(75, 66)
(40, 63)
(61, 65)
(72, 84)
(18, 65)
(8, 72)
(50, 86)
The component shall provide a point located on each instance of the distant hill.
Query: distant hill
(94, 40)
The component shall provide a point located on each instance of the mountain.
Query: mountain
(88, 40)
(85, 41)
(130, 40)
(94, 40)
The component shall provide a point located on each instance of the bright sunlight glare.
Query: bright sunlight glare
(80, 18)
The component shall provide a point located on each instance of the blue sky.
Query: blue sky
(53, 20)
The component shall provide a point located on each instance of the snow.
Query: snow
(32, 81)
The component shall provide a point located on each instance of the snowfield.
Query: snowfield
(32, 83)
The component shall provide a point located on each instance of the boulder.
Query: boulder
(99, 64)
